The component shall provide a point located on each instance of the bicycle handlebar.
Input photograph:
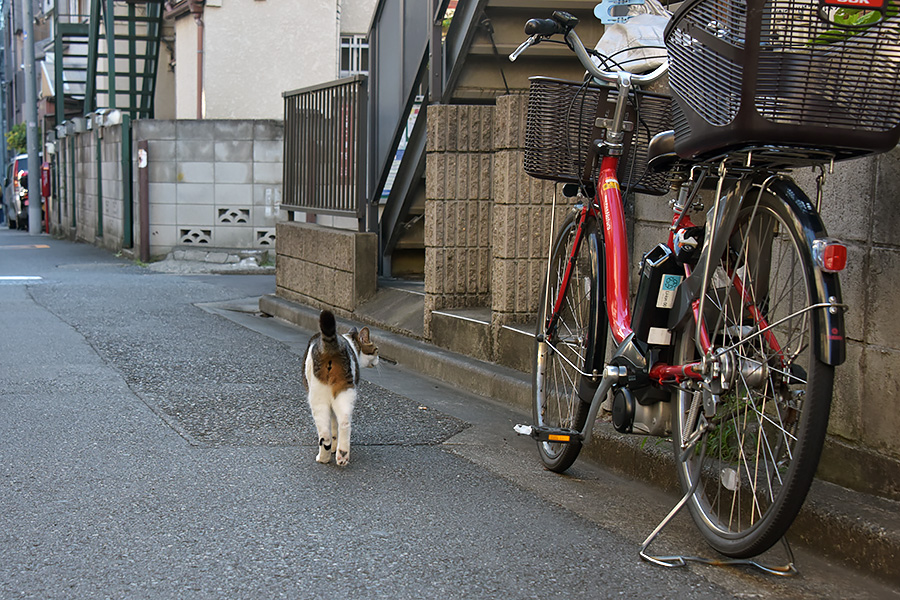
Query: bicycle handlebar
(543, 27)
(565, 24)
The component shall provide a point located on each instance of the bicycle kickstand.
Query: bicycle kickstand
(787, 570)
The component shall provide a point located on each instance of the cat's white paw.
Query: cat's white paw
(343, 457)
(323, 456)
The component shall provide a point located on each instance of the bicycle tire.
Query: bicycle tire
(754, 466)
(562, 396)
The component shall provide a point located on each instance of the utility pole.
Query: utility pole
(35, 222)
(4, 126)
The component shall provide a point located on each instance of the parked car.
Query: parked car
(15, 192)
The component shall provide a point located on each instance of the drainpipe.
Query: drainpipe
(196, 7)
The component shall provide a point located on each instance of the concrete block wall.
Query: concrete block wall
(324, 267)
(487, 223)
(522, 220)
(458, 206)
(863, 450)
(110, 175)
(213, 184)
(859, 207)
(100, 223)
(84, 192)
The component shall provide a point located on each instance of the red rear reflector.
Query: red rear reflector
(830, 255)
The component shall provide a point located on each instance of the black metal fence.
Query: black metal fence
(325, 149)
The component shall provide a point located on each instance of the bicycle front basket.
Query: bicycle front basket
(561, 125)
(797, 73)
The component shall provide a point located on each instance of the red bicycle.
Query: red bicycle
(737, 324)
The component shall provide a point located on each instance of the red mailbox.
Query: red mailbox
(45, 180)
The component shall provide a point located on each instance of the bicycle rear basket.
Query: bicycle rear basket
(788, 73)
(561, 125)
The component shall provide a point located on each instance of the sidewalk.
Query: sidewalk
(858, 530)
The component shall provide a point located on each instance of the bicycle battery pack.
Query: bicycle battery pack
(659, 279)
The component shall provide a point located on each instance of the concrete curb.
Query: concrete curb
(859, 530)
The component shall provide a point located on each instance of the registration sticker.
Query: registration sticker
(666, 298)
(610, 184)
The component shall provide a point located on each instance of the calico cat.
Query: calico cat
(330, 375)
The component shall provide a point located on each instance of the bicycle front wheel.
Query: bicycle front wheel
(570, 340)
(751, 463)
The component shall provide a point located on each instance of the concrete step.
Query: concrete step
(463, 330)
(398, 306)
(468, 331)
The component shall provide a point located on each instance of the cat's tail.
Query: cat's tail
(328, 327)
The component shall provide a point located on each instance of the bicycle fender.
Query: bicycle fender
(828, 323)
(829, 340)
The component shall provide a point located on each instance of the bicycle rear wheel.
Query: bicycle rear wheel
(569, 342)
(754, 460)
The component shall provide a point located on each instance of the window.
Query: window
(354, 55)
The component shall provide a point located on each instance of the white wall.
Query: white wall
(164, 101)
(356, 15)
(255, 50)
(185, 68)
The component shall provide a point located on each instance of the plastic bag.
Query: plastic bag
(637, 45)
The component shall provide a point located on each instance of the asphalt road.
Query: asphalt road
(155, 443)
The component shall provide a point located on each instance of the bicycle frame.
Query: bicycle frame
(617, 286)
(609, 195)
(608, 203)
(612, 215)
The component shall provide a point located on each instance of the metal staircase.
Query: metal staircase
(70, 54)
(107, 59)
(416, 51)
(123, 54)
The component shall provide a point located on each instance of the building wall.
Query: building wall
(164, 100)
(356, 15)
(257, 50)
(186, 69)
(254, 51)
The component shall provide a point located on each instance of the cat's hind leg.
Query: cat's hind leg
(334, 430)
(321, 412)
(343, 412)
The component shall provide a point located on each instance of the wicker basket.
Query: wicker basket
(781, 72)
(560, 128)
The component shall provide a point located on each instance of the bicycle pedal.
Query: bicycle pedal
(549, 434)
